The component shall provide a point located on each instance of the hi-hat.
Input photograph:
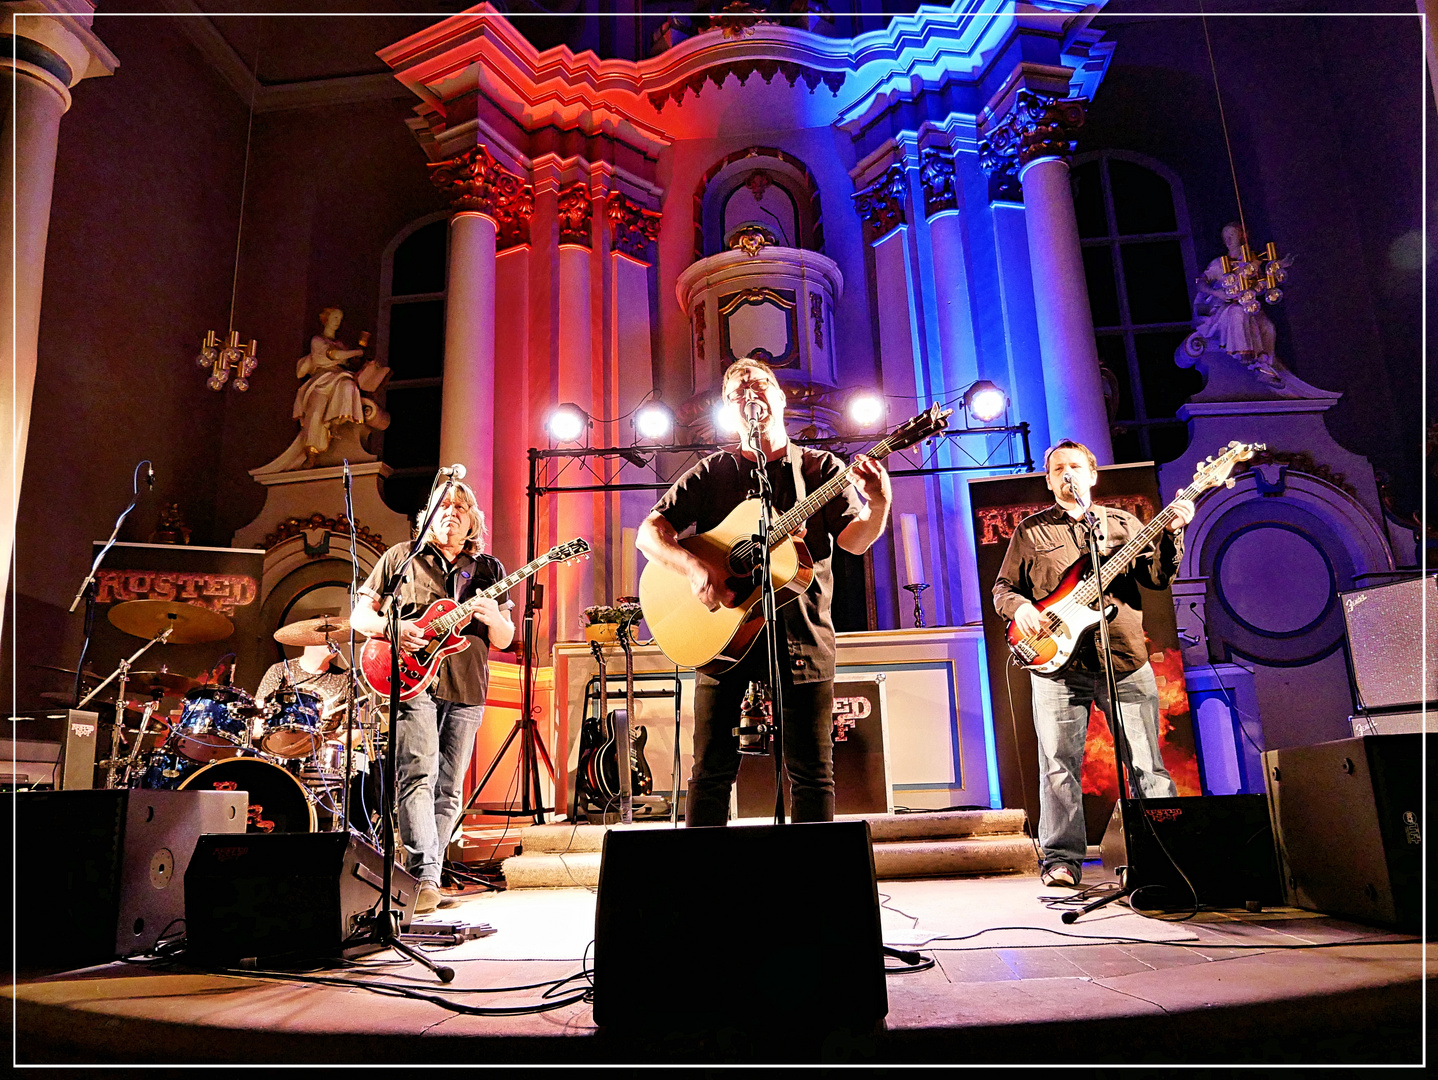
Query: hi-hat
(160, 683)
(313, 631)
(89, 675)
(190, 625)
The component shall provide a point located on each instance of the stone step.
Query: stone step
(953, 824)
(986, 855)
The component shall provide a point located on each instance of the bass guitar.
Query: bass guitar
(689, 633)
(1068, 614)
(441, 622)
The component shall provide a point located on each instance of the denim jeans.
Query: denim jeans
(433, 746)
(1061, 713)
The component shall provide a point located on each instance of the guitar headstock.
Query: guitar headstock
(569, 551)
(1213, 471)
(916, 429)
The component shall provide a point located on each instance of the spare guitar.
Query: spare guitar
(599, 780)
(441, 622)
(1068, 613)
(689, 633)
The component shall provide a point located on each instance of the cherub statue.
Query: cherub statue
(330, 405)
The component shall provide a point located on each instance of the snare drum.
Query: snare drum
(330, 758)
(293, 728)
(164, 770)
(214, 723)
(278, 802)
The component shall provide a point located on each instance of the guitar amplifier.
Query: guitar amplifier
(52, 748)
(1387, 643)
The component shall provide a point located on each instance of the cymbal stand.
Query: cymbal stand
(123, 671)
(133, 757)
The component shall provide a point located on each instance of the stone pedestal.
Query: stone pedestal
(306, 493)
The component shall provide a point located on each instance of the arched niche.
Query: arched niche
(763, 185)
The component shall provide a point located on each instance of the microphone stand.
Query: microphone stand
(382, 928)
(1120, 737)
(87, 587)
(771, 613)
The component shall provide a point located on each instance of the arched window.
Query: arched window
(411, 340)
(760, 185)
(1139, 265)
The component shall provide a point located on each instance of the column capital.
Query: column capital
(881, 205)
(576, 214)
(51, 41)
(632, 227)
(936, 173)
(475, 181)
(1037, 126)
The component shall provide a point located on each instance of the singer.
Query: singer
(703, 497)
(435, 730)
(1042, 547)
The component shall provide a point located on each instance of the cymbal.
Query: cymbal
(160, 683)
(65, 671)
(313, 631)
(190, 624)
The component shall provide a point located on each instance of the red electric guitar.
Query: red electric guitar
(1068, 613)
(441, 622)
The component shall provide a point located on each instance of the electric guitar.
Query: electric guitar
(1068, 614)
(689, 633)
(599, 778)
(441, 622)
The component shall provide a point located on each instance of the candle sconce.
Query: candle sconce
(917, 589)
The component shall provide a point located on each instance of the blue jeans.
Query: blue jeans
(1061, 712)
(433, 746)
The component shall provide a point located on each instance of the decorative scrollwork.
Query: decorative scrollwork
(632, 227)
(576, 211)
(1037, 126)
(936, 172)
(474, 180)
(881, 205)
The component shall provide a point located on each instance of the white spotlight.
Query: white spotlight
(985, 402)
(866, 409)
(654, 421)
(727, 420)
(567, 423)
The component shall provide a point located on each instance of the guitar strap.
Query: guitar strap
(796, 462)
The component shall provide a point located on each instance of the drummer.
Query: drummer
(319, 670)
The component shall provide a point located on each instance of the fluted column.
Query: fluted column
(1034, 139)
(487, 199)
(577, 513)
(47, 56)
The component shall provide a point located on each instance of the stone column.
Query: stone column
(1035, 139)
(48, 54)
(576, 513)
(487, 199)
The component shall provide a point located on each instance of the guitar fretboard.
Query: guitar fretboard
(1087, 593)
(446, 623)
(792, 519)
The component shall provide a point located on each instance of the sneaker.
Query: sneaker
(428, 898)
(1059, 874)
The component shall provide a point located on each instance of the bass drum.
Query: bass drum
(278, 802)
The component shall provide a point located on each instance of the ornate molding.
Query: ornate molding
(632, 228)
(750, 239)
(1037, 126)
(699, 333)
(742, 70)
(881, 205)
(316, 522)
(936, 172)
(1299, 461)
(475, 181)
(816, 312)
(576, 213)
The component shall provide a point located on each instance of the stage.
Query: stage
(1010, 984)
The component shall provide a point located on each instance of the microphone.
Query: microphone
(1068, 481)
(150, 475)
(751, 409)
(456, 471)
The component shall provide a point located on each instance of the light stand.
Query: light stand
(771, 614)
(382, 927)
(1120, 737)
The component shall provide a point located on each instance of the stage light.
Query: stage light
(567, 423)
(727, 420)
(985, 402)
(866, 409)
(654, 421)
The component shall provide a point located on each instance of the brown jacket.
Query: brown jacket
(1046, 544)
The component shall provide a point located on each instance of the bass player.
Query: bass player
(702, 498)
(436, 729)
(1041, 549)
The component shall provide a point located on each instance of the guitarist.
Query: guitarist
(1042, 547)
(702, 498)
(435, 730)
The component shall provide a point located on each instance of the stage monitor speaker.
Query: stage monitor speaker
(278, 897)
(1349, 821)
(766, 926)
(1384, 625)
(102, 872)
(1222, 843)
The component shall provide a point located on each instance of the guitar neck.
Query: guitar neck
(447, 623)
(1120, 560)
(793, 519)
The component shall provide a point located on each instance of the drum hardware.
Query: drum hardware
(117, 775)
(292, 727)
(188, 624)
(325, 630)
(214, 724)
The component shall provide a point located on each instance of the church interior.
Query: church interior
(528, 239)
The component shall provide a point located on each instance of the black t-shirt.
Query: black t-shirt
(463, 677)
(705, 495)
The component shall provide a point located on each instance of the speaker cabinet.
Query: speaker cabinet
(1222, 843)
(1385, 627)
(745, 927)
(1349, 820)
(102, 873)
(276, 897)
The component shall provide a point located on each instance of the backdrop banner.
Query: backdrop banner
(999, 504)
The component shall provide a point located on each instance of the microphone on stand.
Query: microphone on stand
(455, 471)
(150, 475)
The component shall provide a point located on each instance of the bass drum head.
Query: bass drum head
(278, 802)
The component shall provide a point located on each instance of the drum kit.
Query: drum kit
(288, 754)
